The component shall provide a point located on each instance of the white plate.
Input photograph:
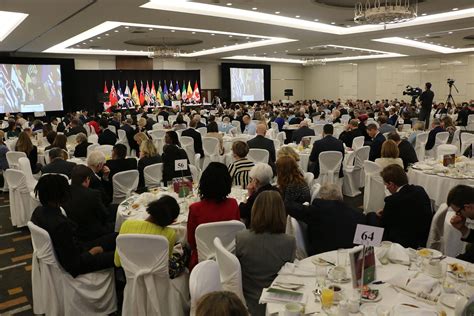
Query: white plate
(368, 309)
(434, 253)
(449, 300)
(320, 262)
(378, 299)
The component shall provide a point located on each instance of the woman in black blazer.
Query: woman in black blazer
(172, 151)
(81, 148)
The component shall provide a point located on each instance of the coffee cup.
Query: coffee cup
(294, 309)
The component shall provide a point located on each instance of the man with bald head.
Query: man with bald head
(301, 132)
(261, 142)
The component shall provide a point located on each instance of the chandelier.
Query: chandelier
(315, 62)
(163, 52)
(385, 11)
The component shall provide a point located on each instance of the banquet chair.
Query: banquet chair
(406, 127)
(445, 149)
(374, 192)
(106, 149)
(87, 127)
(281, 137)
(309, 179)
(299, 232)
(353, 172)
(329, 166)
(276, 143)
(210, 146)
(274, 126)
(12, 158)
(229, 270)
(47, 160)
(204, 279)
(93, 138)
(358, 142)
(420, 144)
(122, 139)
(202, 131)
(24, 165)
(124, 184)
(225, 230)
(312, 139)
(56, 292)
(452, 243)
(258, 155)
(149, 289)
(113, 129)
(158, 125)
(22, 203)
(160, 118)
(318, 129)
(186, 140)
(315, 191)
(195, 173)
(236, 124)
(466, 141)
(157, 134)
(153, 175)
(435, 237)
(194, 159)
(456, 140)
(441, 139)
(470, 123)
(91, 148)
(172, 118)
(233, 131)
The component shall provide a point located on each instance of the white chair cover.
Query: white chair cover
(452, 243)
(158, 125)
(309, 178)
(153, 174)
(186, 140)
(229, 270)
(281, 137)
(204, 279)
(420, 144)
(445, 149)
(205, 234)
(210, 146)
(161, 119)
(441, 139)
(299, 233)
(329, 166)
(91, 148)
(194, 158)
(149, 290)
(352, 172)
(157, 134)
(435, 237)
(172, 118)
(466, 141)
(112, 128)
(22, 204)
(236, 124)
(124, 183)
(358, 142)
(374, 192)
(12, 158)
(122, 139)
(258, 155)
(456, 140)
(406, 127)
(24, 165)
(195, 173)
(470, 122)
(315, 191)
(56, 292)
(318, 129)
(47, 160)
(93, 138)
(202, 131)
(106, 149)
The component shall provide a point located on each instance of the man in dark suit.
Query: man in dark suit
(393, 117)
(196, 136)
(426, 99)
(106, 137)
(406, 151)
(58, 164)
(406, 216)
(435, 129)
(325, 216)
(96, 162)
(301, 132)
(80, 151)
(75, 128)
(119, 161)
(461, 200)
(261, 142)
(199, 123)
(327, 143)
(352, 131)
(85, 206)
(130, 132)
(377, 140)
(441, 111)
(163, 113)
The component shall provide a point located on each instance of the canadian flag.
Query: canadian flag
(196, 94)
(107, 105)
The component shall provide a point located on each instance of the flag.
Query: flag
(159, 95)
(165, 93)
(106, 92)
(184, 97)
(127, 94)
(135, 97)
(178, 91)
(142, 94)
(172, 93)
(147, 93)
(196, 94)
(189, 95)
(153, 92)
(7, 91)
(113, 95)
(121, 98)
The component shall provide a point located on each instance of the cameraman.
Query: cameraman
(426, 99)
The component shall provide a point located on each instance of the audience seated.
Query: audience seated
(119, 162)
(352, 131)
(106, 136)
(221, 303)
(74, 256)
(213, 131)
(261, 142)
(96, 162)
(80, 151)
(214, 187)
(250, 128)
(406, 216)
(392, 118)
(301, 132)
(195, 135)
(435, 129)
(291, 182)
(148, 156)
(418, 128)
(50, 137)
(3, 152)
(172, 151)
(327, 143)
(240, 168)
(461, 201)
(389, 155)
(138, 138)
(406, 151)
(25, 145)
(448, 125)
(179, 124)
(384, 126)
(377, 141)
(60, 141)
(130, 133)
(74, 128)
(58, 163)
(264, 248)
(331, 223)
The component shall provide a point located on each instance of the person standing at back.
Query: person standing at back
(426, 99)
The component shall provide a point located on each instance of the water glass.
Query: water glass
(321, 274)
(341, 258)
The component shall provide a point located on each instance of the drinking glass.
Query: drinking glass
(327, 298)
(341, 257)
(321, 274)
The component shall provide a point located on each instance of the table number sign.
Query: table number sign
(368, 235)
(180, 165)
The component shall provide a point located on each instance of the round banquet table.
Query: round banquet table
(390, 297)
(436, 186)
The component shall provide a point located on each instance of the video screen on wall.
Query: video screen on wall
(30, 88)
(246, 84)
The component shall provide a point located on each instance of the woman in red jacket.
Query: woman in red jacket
(215, 206)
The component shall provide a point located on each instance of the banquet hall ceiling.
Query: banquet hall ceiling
(326, 29)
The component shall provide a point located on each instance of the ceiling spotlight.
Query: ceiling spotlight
(193, 33)
(172, 31)
(274, 52)
(230, 35)
(98, 37)
(150, 29)
(316, 20)
(406, 37)
(84, 43)
(229, 4)
(127, 27)
(297, 16)
(254, 9)
(264, 53)
(91, 40)
(423, 14)
(116, 31)
(212, 34)
(107, 34)
(333, 23)
(247, 37)
(299, 49)
(286, 51)
(455, 9)
(450, 32)
(427, 35)
(277, 12)
(348, 26)
(214, 47)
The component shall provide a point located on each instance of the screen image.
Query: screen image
(246, 84)
(30, 88)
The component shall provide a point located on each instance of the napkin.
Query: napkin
(396, 253)
(415, 282)
(296, 270)
(402, 310)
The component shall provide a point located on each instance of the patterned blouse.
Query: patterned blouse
(239, 171)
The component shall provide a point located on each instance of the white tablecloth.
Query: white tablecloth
(390, 296)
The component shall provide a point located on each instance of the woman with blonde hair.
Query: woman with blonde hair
(288, 151)
(449, 126)
(291, 182)
(264, 248)
(141, 124)
(25, 145)
(390, 155)
(148, 156)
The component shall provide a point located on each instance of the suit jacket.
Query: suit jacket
(407, 216)
(376, 147)
(119, 165)
(191, 132)
(330, 224)
(107, 137)
(432, 137)
(262, 142)
(81, 149)
(75, 130)
(393, 120)
(144, 162)
(300, 133)
(100, 185)
(407, 153)
(170, 154)
(347, 137)
(469, 254)
(130, 132)
(440, 112)
(59, 166)
(85, 208)
(328, 143)
(246, 207)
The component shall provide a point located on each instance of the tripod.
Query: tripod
(450, 96)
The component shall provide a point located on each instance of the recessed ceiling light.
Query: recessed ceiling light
(247, 37)
(450, 32)
(333, 23)
(214, 47)
(84, 43)
(91, 40)
(277, 12)
(297, 16)
(254, 9)
(107, 34)
(348, 26)
(264, 53)
(286, 51)
(423, 14)
(455, 9)
(230, 35)
(150, 29)
(193, 33)
(116, 31)
(316, 20)
(274, 52)
(406, 37)
(127, 27)
(229, 4)
(427, 35)
(213, 34)
(311, 48)
(98, 37)
(172, 31)
(299, 49)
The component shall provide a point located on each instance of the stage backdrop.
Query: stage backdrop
(90, 83)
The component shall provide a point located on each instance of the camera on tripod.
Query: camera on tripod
(413, 92)
(450, 82)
